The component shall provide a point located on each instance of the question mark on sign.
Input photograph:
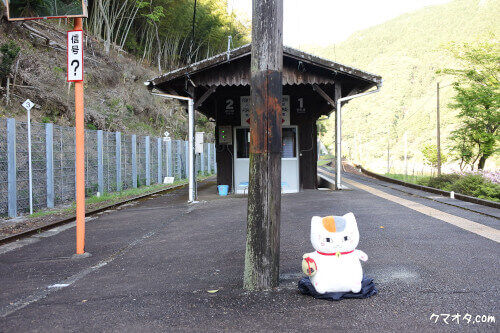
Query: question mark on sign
(76, 67)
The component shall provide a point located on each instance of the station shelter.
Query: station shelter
(220, 87)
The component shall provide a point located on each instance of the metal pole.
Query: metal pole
(388, 151)
(438, 129)
(30, 169)
(191, 151)
(406, 154)
(338, 146)
(191, 172)
(80, 160)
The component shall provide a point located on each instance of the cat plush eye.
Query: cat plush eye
(345, 238)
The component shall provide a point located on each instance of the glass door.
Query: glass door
(289, 160)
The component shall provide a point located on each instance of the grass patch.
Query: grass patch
(323, 162)
(406, 178)
(43, 213)
(325, 159)
(112, 197)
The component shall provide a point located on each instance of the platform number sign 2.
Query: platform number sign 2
(229, 107)
(75, 55)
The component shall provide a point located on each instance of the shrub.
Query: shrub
(424, 180)
(477, 186)
(443, 182)
(9, 52)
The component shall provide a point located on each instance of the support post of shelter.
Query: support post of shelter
(80, 160)
(190, 158)
(192, 171)
(264, 191)
(338, 137)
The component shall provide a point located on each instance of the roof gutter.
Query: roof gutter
(338, 134)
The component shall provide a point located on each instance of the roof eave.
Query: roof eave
(245, 50)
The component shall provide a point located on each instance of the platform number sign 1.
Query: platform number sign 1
(300, 108)
(75, 55)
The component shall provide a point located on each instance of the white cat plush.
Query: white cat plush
(335, 265)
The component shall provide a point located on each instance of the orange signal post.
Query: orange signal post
(80, 160)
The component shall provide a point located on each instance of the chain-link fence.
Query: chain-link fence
(113, 162)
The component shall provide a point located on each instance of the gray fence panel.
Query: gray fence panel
(22, 180)
(49, 163)
(153, 161)
(141, 161)
(39, 167)
(134, 161)
(159, 160)
(169, 155)
(4, 167)
(11, 169)
(118, 160)
(126, 160)
(91, 162)
(148, 160)
(100, 161)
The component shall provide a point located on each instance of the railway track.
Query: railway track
(380, 183)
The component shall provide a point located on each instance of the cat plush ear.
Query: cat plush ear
(349, 217)
(316, 224)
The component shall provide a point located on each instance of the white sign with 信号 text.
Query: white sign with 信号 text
(75, 55)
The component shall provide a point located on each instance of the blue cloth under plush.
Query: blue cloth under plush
(368, 289)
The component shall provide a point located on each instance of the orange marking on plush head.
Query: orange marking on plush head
(329, 223)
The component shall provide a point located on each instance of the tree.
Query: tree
(9, 52)
(160, 31)
(477, 99)
(430, 154)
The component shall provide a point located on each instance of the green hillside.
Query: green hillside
(406, 52)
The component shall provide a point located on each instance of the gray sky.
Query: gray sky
(326, 22)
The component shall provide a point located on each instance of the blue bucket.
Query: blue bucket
(223, 189)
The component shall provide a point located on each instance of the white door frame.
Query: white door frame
(296, 158)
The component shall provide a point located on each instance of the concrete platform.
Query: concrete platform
(153, 262)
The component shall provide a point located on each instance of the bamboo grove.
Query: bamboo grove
(161, 31)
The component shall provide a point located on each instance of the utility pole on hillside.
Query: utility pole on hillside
(264, 190)
(388, 151)
(406, 153)
(438, 126)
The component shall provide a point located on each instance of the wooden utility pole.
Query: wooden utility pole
(406, 153)
(264, 190)
(388, 151)
(438, 134)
